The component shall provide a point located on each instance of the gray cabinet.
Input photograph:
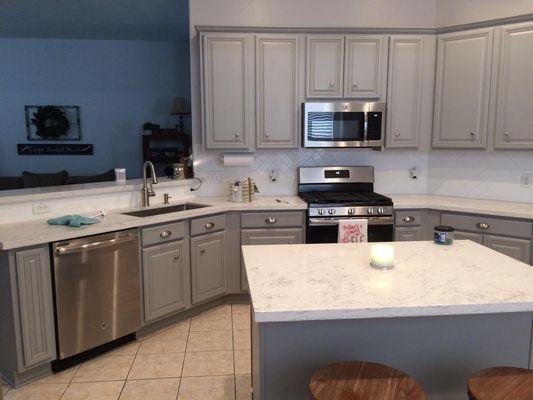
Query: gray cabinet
(407, 233)
(208, 266)
(278, 85)
(325, 66)
(268, 237)
(228, 118)
(366, 66)
(165, 280)
(514, 119)
(36, 310)
(462, 89)
(463, 235)
(512, 247)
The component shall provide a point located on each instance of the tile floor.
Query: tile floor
(204, 358)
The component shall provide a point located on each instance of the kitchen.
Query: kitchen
(406, 115)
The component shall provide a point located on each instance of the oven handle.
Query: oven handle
(335, 221)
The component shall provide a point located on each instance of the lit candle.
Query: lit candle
(382, 256)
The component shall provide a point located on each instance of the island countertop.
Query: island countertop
(334, 281)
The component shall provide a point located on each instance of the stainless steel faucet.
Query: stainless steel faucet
(148, 189)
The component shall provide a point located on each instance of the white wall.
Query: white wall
(457, 12)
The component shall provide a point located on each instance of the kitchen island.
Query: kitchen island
(442, 313)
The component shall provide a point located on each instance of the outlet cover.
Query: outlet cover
(526, 180)
(40, 208)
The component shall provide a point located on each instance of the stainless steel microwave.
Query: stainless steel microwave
(344, 124)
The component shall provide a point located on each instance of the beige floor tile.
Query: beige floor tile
(242, 339)
(206, 363)
(217, 319)
(51, 391)
(241, 316)
(60, 377)
(164, 342)
(210, 341)
(111, 368)
(243, 362)
(93, 391)
(154, 366)
(178, 327)
(156, 389)
(243, 387)
(207, 388)
(129, 349)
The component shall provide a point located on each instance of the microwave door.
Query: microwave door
(334, 128)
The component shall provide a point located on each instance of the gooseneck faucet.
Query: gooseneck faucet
(148, 189)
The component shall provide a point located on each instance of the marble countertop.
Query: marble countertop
(467, 205)
(335, 281)
(23, 234)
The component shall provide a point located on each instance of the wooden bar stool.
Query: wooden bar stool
(501, 383)
(363, 381)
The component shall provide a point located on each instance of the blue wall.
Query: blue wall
(118, 85)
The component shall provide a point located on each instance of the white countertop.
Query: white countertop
(23, 234)
(335, 281)
(462, 204)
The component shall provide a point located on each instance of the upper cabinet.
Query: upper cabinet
(514, 100)
(410, 89)
(278, 85)
(325, 66)
(228, 91)
(462, 89)
(365, 66)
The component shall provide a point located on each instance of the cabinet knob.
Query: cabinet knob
(483, 225)
(271, 220)
(332, 85)
(408, 219)
(209, 225)
(237, 136)
(473, 134)
(267, 135)
(165, 234)
(202, 251)
(507, 135)
(397, 134)
(291, 242)
(354, 84)
(176, 257)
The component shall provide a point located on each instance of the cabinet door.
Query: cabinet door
(462, 89)
(325, 66)
(277, 91)
(165, 280)
(36, 307)
(514, 122)
(515, 248)
(463, 235)
(227, 91)
(366, 66)
(208, 266)
(404, 91)
(266, 237)
(408, 234)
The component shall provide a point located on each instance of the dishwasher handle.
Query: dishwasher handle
(95, 245)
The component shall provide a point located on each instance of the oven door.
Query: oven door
(326, 230)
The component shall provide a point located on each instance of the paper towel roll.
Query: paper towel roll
(237, 160)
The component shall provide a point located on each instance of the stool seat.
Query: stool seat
(501, 383)
(363, 381)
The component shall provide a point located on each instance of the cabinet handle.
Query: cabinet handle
(271, 220)
(176, 257)
(202, 251)
(332, 85)
(408, 219)
(165, 234)
(483, 225)
(291, 242)
(209, 225)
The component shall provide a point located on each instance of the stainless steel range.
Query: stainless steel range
(335, 193)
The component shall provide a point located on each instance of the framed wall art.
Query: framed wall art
(53, 123)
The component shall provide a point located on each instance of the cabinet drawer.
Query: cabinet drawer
(163, 233)
(480, 223)
(272, 219)
(408, 218)
(208, 224)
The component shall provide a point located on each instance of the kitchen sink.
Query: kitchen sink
(165, 210)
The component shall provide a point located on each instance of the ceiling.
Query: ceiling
(95, 19)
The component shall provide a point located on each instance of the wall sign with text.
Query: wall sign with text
(24, 149)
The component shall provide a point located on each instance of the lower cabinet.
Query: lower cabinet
(208, 266)
(462, 235)
(267, 237)
(407, 233)
(516, 248)
(165, 280)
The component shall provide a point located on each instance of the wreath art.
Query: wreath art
(51, 122)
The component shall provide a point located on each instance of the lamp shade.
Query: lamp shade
(180, 106)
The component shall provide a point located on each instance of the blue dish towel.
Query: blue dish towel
(72, 220)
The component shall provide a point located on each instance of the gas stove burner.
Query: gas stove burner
(316, 199)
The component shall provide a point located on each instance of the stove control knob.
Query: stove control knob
(332, 211)
(321, 211)
(351, 211)
(370, 211)
(380, 210)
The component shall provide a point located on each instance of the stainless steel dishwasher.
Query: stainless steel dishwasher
(97, 290)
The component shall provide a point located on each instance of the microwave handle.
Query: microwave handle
(365, 131)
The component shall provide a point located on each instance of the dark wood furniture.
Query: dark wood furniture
(363, 380)
(501, 383)
(166, 148)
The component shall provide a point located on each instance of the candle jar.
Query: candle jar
(382, 256)
(444, 234)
